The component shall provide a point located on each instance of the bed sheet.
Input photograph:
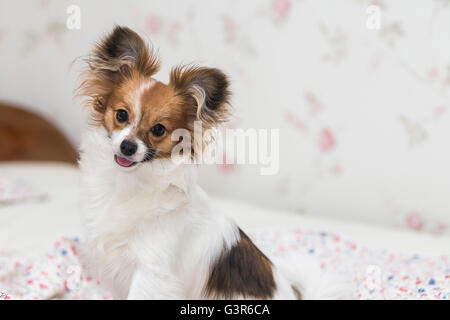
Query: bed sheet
(384, 263)
(369, 273)
(32, 227)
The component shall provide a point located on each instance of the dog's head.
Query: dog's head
(140, 113)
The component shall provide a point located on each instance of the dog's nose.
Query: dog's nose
(128, 147)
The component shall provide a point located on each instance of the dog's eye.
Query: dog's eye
(121, 116)
(158, 130)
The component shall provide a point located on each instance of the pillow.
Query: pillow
(13, 190)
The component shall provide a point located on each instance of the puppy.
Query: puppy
(151, 230)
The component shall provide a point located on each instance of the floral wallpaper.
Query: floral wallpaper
(362, 109)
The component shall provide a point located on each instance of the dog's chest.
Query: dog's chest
(116, 256)
(126, 233)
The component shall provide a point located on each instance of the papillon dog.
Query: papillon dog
(151, 232)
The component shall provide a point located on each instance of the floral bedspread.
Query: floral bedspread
(374, 274)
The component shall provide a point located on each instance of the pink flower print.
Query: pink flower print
(414, 221)
(282, 8)
(326, 140)
(43, 4)
(153, 24)
(315, 106)
(337, 169)
(296, 122)
(433, 74)
(228, 166)
(173, 32)
(440, 111)
(439, 228)
(229, 27)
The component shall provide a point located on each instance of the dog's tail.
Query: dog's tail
(306, 276)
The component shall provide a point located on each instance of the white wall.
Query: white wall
(363, 114)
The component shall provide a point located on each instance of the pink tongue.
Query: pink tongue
(124, 162)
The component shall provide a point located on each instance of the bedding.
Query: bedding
(40, 243)
(371, 274)
(14, 190)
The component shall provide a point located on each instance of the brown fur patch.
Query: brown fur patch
(297, 293)
(121, 97)
(214, 83)
(161, 105)
(241, 271)
(118, 57)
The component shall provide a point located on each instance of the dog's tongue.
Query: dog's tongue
(124, 162)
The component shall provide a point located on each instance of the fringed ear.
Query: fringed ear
(115, 58)
(205, 91)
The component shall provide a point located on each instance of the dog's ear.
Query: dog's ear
(116, 57)
(122, 51)
(205, 91)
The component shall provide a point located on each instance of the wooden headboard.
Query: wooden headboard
(25, 136)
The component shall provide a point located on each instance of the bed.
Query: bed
(58, 215)
(41, 235)
(31, 231)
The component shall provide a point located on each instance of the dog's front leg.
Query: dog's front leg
(149, 284)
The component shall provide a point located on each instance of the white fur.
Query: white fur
(152, 232)
(129, 132)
